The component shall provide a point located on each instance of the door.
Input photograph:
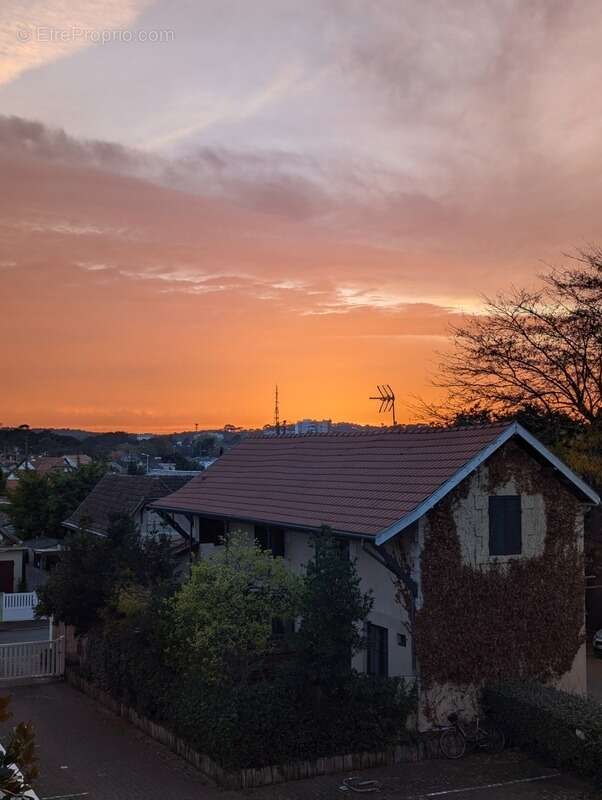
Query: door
(7, 576)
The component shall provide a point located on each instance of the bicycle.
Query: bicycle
(480, 735)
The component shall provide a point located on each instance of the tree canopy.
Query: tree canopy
(39, 504)
(538, 348)
(333, 611)
(222, 617)
(97, 575)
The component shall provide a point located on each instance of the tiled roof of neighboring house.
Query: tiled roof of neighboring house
(359, 483)
(45, 464)
(121, 494)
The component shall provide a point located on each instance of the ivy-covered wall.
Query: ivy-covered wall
(483, 619)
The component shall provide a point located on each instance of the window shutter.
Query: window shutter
(505, 523)
(513, 522)
(384, 653)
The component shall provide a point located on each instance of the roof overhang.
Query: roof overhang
(587, 493)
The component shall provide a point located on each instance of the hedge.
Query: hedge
(248, 726)
(277, 721)
(565, 729)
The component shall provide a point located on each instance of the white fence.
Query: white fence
(18, 607)
(32, 659)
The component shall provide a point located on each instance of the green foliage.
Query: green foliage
(41, 503)
(333, 610)
(28, 507)
(19, 750)
(222, 617)
(93, 573)
(183, 463)
(566, 729)
(273, 722)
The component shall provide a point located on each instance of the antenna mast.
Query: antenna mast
(386, 398)
(276, 413)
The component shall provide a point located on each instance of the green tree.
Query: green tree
(28, 507)
(333, 612)
(41, 503)
(223, 616)
(96, 577)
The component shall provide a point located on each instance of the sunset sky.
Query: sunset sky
(301, 192)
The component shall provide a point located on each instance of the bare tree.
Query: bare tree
(540, 348)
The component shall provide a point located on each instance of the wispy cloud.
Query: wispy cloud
(39, 32)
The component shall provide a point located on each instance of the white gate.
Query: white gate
(32, 659)
(18, 607)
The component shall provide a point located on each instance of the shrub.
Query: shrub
(275, 722)
(565, 729)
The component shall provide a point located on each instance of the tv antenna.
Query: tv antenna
(386, 398)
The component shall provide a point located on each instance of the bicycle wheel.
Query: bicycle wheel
(494, 741)
(452, 743)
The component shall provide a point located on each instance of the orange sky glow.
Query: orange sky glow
(306, 194)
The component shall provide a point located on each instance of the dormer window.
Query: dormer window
(505, 526)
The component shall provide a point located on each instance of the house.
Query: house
(12, 557)
(130, 495)
(470, 539)
(44, 465)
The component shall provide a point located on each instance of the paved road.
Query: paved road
(13, 632)
(86, 752)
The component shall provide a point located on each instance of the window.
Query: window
(378, 650)
(270, 539)
(211, 531)
(505, 534)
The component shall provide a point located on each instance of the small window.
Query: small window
(270, 539)
(211, 531)
(505, 526)
(402, 639)
(378, 650)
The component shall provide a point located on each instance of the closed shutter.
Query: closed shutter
(505, 535)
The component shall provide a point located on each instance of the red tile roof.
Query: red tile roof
(355, 483)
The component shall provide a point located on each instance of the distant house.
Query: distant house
(12, 557)
(420, 510)
(130, 495)
(44, 465)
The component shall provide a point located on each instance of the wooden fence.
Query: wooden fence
(32, 659)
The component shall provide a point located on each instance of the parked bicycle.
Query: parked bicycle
(458, 735)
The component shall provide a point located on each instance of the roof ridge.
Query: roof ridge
(400, 429)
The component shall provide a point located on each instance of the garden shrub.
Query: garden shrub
(279, 721)
(565, 729)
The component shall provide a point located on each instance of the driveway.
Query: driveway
(86, 752)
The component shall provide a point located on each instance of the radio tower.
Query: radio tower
(276, 413)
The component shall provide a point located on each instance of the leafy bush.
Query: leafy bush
(565, 729)
(277, 721)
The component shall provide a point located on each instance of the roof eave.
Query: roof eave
(512, 430)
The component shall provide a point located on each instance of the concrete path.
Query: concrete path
(86, 752)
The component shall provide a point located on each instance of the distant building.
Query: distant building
(305, 426)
